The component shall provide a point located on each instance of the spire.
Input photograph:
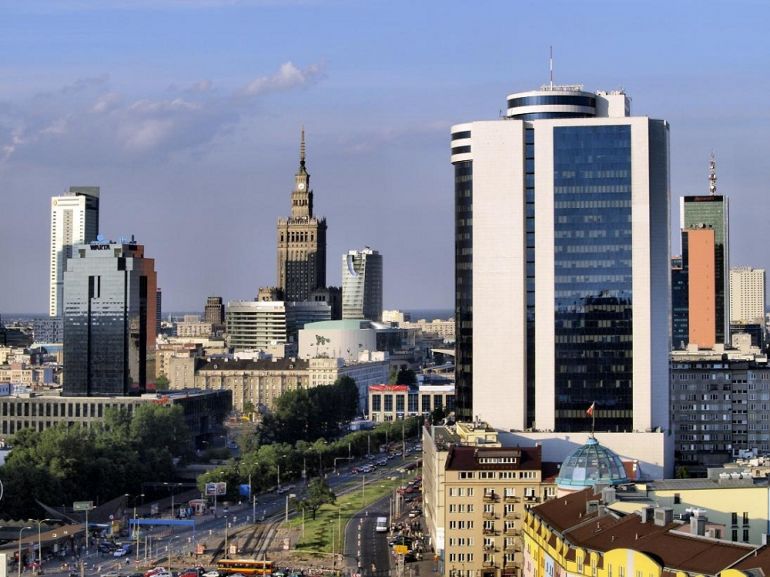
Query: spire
(302, 148)
(712, 174)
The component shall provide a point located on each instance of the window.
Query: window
(376, 403)
(734, 518)
(745, 518)
(746, 535)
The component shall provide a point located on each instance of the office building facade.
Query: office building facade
(109, 320)
(301, 241)
(260, 324)
(362, 285)
(562, 266)
(747, 295)
(74, 220)
(214, 311)
(680, 322)
(699, 260)
(711, 212)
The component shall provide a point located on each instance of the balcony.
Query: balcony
(489, 564)
(490, 549)
(491, 497)
(512, 531)
(489, 515)
(512, 515)
(489, 531)
(531, 498)
(512, 499)
(511, 564)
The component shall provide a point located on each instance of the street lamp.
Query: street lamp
(39, 541)
(20, 531)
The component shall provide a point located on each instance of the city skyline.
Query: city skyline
(195, 140)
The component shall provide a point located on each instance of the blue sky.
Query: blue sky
(187, 113)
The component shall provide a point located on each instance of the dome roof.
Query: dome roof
(589, 465)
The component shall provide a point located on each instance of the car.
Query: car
(119, 552)
(155, 571)
(212, 573)
(415, 513)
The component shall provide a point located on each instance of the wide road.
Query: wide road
(272, 506)
(367, 551)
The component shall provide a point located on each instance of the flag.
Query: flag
(590, 410)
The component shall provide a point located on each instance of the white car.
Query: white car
(212, 573)
(119, 552)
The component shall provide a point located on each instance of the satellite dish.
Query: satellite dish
(100, 237)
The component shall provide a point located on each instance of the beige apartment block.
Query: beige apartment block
(475, 494)
(258, 382)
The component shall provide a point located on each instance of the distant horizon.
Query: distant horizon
(436, 313)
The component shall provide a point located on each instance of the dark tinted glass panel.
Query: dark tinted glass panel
(461, 149)
(552, 100)
(462, 134)
(464, 288)
(592, 267)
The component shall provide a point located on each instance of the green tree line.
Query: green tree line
(64, 464)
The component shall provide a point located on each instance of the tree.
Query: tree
(162, 383)
(318, 493)
(437, 415)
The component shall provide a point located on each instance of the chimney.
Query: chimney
(645, 513)
(592, 506)
(608, 495)
(698, 525)
(663, 516)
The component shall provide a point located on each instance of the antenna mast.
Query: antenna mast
(712, 174)
(550, 66)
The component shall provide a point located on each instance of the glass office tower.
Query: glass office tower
(109, 320)
(562, 265)
(362, 285)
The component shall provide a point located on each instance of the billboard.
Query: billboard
(216, 489)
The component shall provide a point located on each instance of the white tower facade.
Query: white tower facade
(562, 264)
(747, 295)
(74, 220)
(362, 285)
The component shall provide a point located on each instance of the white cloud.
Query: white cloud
(287, 77)
(87, 122)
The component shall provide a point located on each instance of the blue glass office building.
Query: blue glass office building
(562, 264)
(109, 320)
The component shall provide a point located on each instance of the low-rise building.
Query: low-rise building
(579, 535)
(372, 367)
(204, 410)
(254, 384)
(395, 402)
(192, 326)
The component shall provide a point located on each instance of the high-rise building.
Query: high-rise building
(301, 241)
(362, 285)
(680, 329)
(262, 323)
(158, 309)
(109, 319)
(214, 311)
(74, 220)
(562, 264)
(747, 295)
(698, 259)
(711, 211)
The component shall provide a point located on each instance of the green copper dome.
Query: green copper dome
(589, 465)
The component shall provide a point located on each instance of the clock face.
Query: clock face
(301, 186)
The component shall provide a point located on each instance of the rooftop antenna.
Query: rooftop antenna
(302, 147)
(712, 174)
(550, 66)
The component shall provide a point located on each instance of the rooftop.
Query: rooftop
(468, 458)
(284, 364)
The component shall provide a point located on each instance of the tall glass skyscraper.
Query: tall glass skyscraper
(362, 285)
(562, 264)
(109, 320)
(74, 219)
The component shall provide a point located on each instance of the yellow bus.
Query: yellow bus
(245, 567)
